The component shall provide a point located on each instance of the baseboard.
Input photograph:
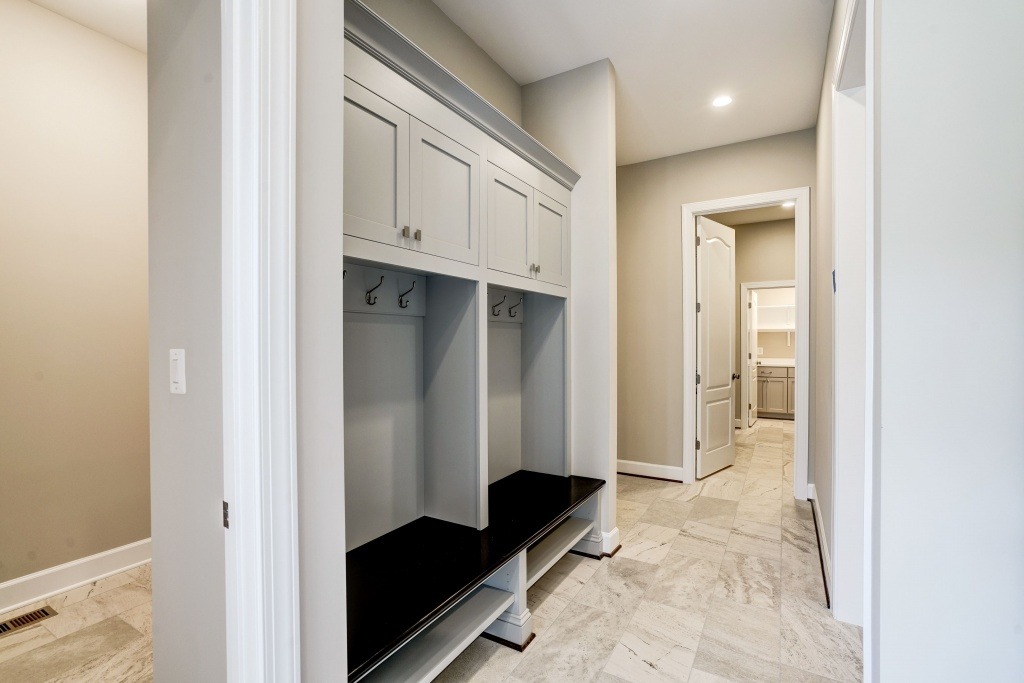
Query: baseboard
(49, 582)
(610, 542)
(737, 423)
(826, 560)
(646, 469)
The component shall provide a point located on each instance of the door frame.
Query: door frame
(802, 216)
(745, 288)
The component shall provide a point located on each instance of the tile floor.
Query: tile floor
(102, 632)
(715, 581)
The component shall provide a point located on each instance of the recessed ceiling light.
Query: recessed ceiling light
(722, 101)
(788, 205)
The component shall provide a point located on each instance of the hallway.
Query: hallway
(716, 581)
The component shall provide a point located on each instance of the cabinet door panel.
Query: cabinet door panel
(445, 195)
(791, 396)
(552, 224)
(376, 166)
(775, 394)
(509, 222)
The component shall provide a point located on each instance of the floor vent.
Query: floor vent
(27, 619)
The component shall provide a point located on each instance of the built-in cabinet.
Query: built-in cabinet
(459, 485)
(776, 387)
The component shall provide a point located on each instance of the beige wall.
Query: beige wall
(74, 434)
(775, 344)
(650, 199)
(422, 22)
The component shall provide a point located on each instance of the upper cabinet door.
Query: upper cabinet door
(376, 166)
(510, 215)
(445, 196)
(552, 225)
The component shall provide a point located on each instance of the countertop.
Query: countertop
(777, 362)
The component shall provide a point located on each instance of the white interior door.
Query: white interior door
(716, 344)
(751, 359)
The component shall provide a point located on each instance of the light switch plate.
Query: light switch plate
(177, 371)
(760, 350)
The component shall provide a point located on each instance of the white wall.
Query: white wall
(185, 312)
(949, 212)
(74, 423)
(573, 114)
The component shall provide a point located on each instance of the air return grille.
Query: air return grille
(27, 619)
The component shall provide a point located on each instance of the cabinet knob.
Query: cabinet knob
(418, 235)
(537, 267)
(405, 231)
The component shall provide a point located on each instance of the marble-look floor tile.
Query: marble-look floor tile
(639, 489)
(769, 435)
(141, 618)
(618, 585)
(793, 675)
(647, 542)
(667, 625)
(761, 510)
(715, 664)
(133, 663)
(20, 642)
(667, 513)
(575, 648)
(702, 541)
(96, 609)
(813, 641)
(797, 509)
(684, 582)
(682, 492)
(726, 485)
(714, 511)
(637, 660)
(762, 487)
(755, 538)
(65, 654)
(628, 513)
(484, 661)
(143, 575)
(750, 580)
(567, 577)
(64, 600)
(743, 630)
(799, 535)
(801, 576)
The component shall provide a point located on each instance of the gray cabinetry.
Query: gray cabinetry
(776, 392)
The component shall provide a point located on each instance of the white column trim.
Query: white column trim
(261, 544)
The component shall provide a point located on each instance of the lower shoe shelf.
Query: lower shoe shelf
(420, 574)
(437, 646)
(545, 554)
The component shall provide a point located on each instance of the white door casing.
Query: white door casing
(716, 344)
(751, 359)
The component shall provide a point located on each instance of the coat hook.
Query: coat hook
(402, 303)
(512, 313)
(343, 273)
(494, 308)
(371, 303)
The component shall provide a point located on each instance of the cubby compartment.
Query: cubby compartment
(527, 407)
(412, 438)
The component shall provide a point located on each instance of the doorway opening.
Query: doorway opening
(767, 351)
(702, 343)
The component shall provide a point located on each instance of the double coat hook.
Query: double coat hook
(494, 308)
(373, 301)
(511, 309)
(402, 301)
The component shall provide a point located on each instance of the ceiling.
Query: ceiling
(671, 58)
(122, 20)
(758, 215)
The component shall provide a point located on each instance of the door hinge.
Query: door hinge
(750, 406)
(698, 307)
(698, 445)
(750, 305)
(698, 240)
(698, 378)
(226, 521)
